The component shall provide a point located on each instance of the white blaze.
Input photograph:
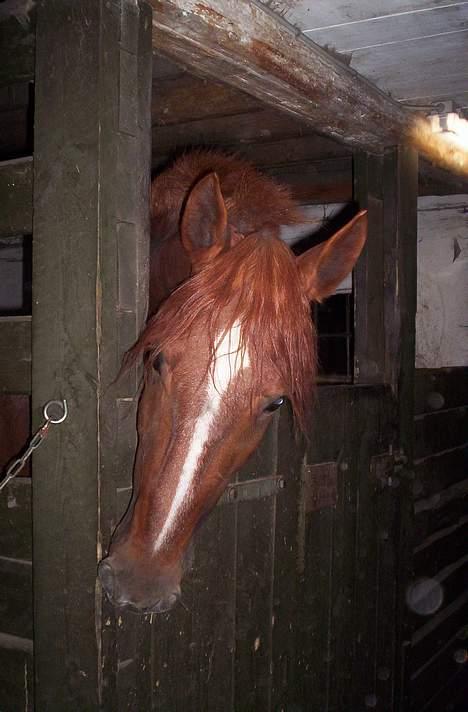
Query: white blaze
(230, 358)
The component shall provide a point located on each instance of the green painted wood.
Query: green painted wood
(91, 178)
(16, 197)
(15, 354)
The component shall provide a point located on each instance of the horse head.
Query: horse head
(221, 355)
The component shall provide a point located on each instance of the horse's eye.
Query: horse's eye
(274, 405)
(158, 362)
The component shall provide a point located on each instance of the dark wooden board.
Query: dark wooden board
(16, 597)
(440, 388)
(440, 628)
(17, 44)
(439, 471)
(15, 520)
(441, 549)
(16, 197)
(453, 579)
(213, 610)
(188, 98)
(15, 429)
(440, 510)
(15, 354)
(439, 431)
(286, 683)
(322, 181)
(347, 620)
(439, 676)
(260, 126)
(93, 98)
(369, 333)
(16, 675)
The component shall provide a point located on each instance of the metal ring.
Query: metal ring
(62, 404)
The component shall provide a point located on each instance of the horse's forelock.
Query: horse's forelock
(257, 285)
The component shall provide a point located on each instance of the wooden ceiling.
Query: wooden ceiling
(189, 110)
(416, 50)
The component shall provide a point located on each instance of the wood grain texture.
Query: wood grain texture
(252, 50)
(91, 178)
(16, 197)
(15, 355)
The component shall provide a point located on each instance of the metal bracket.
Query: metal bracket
(319, 486)
(253, 489)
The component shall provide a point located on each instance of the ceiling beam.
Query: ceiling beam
(251, 48)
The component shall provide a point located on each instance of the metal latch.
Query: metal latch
(253, 489)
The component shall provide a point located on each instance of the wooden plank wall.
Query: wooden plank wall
(438, 596)
(16, 621)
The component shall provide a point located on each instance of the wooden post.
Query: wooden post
(91, 197)
(369, 339)
(400, 241)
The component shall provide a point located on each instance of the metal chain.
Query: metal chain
(37, 439)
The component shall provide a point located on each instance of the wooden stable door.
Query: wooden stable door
(294, 598)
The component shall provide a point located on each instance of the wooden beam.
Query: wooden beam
(188, 98)
(15, 354)
(251, 49)
(91, 224)
(16, 197)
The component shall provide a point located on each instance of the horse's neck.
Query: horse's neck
(169, 266)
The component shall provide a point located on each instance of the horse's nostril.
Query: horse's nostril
(166, 603)
(106, 577)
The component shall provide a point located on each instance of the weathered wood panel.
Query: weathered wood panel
(15, 520)
(188, 98)
(16, 197)
(251, 50)
(16, 597)
(350, 559)
(439, 470)
(369, 333)
(90, 251)
(16, 674)
(440, 493)
(17, 43)
(440, 431)
(15, 429)
(440, 388)
(15, 355)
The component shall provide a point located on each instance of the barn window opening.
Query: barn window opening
(334, 323)
(15, 276)
(333, 318)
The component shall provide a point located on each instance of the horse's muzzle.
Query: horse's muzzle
(165, 597)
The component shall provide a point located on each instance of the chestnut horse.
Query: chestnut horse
(231, 338)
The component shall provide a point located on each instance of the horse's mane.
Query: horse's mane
(255, 283)
(253, 201)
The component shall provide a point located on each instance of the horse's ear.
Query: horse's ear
(204, 221)
(325, 266)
